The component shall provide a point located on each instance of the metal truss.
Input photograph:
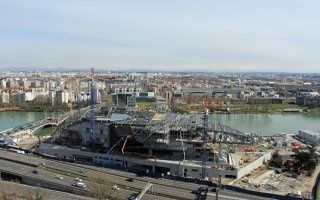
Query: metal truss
(191, 124)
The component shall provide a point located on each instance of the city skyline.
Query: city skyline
(231, 36)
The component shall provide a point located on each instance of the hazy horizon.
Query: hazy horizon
(169, 35)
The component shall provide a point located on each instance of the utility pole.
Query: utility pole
(218, 187)
(184, 154)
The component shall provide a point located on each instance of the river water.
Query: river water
(258, 123)
(269, 124)
(10, 119)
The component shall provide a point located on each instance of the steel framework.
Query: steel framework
(168, 126)
(204, 138)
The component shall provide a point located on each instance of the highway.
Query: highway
(20, 191)
(164, 189)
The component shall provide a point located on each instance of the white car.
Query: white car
(115, 187)
(78, 179)
(59, 177)
(80, 184)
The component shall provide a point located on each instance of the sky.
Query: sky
(182, 35)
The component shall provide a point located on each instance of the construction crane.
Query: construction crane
(92, 106)
(109, 153)
(204, 142)
(124, 144)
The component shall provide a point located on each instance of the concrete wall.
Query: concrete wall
(253, 165)
(101, 129)
(174, 167)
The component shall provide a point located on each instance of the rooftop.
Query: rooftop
(310, 132)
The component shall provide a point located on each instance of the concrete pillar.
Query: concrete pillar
(154, 166)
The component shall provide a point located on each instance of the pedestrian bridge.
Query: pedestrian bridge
(57, 119)
(32, 127)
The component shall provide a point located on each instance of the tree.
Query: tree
(275, 160)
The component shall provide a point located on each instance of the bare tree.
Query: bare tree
(3, 193)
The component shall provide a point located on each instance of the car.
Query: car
(81, 171)
(80, 184)
(42, 164)
(78, 179)
(59, 177)
(35, 171)
(129, 179)
(115, 187)
(202, 191)
(133, 197)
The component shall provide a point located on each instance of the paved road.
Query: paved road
(177, 189)
(20, 191)
(44, 177)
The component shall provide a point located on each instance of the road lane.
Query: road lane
(179, 189)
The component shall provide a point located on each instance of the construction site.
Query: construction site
(186, 145)
(168, 143)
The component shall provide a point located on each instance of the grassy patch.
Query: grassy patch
(44, 131)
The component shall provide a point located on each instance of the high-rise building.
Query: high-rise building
(4, 97)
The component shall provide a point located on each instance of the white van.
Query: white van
(80, 184)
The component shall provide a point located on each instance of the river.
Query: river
(269, 124)
(258, 123)
(10, 119)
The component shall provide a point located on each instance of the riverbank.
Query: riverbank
(242, 108)
(32, 109)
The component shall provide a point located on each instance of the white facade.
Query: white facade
(52, 85)
(83, 96)
(22, 97)
(26, 84)
(52, 97)
(27, 96)
(64, 97)
(3, 84)
(4, 97)
(145, 94)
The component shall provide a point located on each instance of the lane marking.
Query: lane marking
(227, 197)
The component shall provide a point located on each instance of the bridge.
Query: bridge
(31, 127)
(59, 119)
